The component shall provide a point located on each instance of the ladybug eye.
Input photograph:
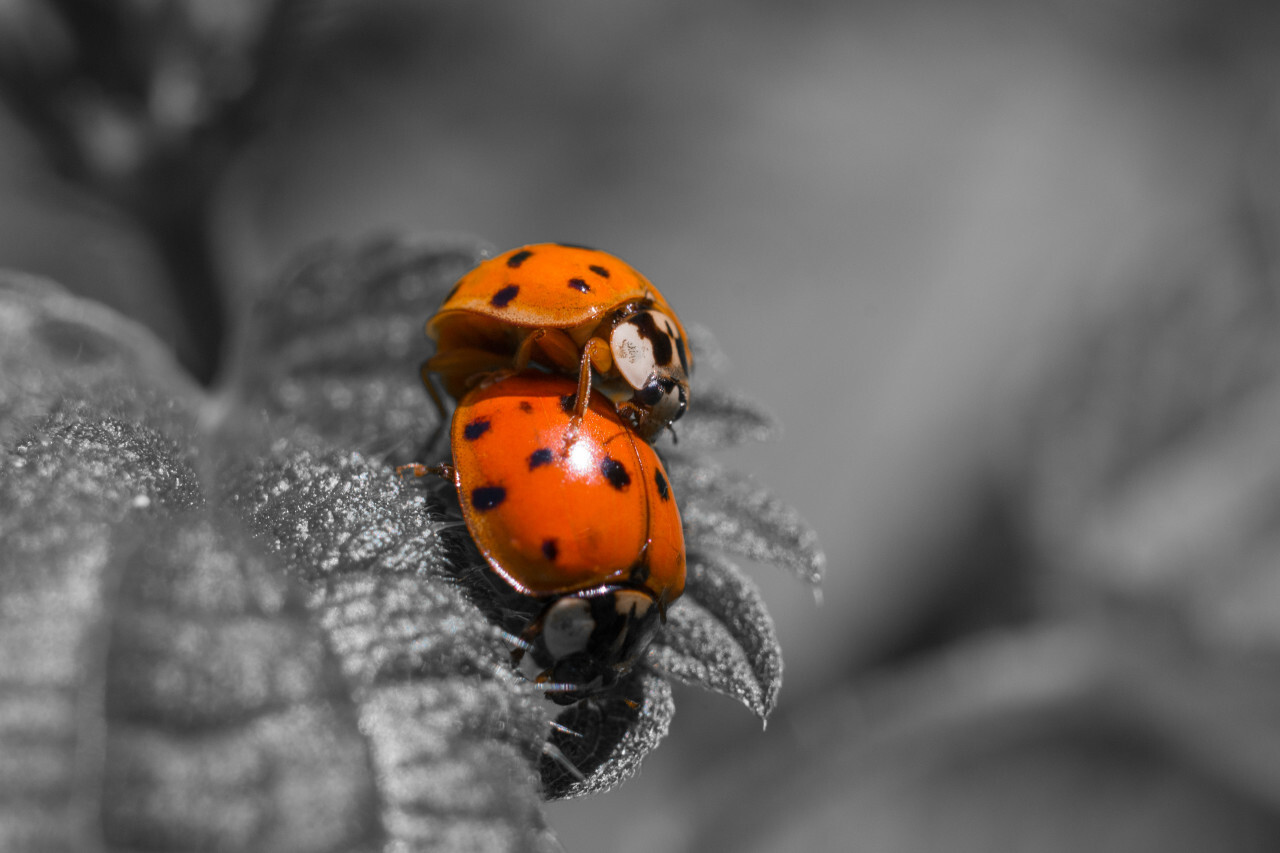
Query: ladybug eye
(651, 394)
(567, 627)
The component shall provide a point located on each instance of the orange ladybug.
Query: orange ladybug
(568, 308)
(578, 513)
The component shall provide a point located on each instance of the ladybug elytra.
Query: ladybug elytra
(571, 309)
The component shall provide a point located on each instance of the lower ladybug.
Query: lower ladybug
(576, 513)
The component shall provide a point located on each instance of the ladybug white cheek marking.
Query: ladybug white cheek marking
(630, 603)
(632, 353)
(568, 627)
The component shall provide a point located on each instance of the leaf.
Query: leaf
(228, 720)
(331, 354)
(59, 351)
(718, 419)
(155, 672)
(727, 511)
(607, 737)
(719, 636)
(455, 736)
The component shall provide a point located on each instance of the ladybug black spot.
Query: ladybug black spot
(615, 472)
(541, 456)
(519, 258)
(577, 246)
(579, 285)
(526, 406)
(664, 491)
(503, 297)
(487, 497)
(549, 549)
(475, 429)
(639, 573)
(599, 270)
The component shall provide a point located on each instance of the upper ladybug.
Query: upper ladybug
(568, 308)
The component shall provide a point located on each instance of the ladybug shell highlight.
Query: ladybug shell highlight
(557, 507)
(586, 308)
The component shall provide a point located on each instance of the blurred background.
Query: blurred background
(1005, 271)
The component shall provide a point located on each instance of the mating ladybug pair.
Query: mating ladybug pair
(558, 485)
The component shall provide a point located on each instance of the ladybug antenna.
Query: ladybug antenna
(675, 439)
(553, 752)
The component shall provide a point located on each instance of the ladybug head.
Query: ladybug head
(651, 355)
(586, 641)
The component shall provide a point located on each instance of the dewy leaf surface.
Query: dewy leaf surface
(58, 351)
(719, 636)
(454, 736)
(63, 492)
(220, 691)
(719, 419)
(332, 352)
(726, 511)
(160, 686)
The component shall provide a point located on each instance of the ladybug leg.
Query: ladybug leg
(459, 367)
(519, 361)
(558, 349)
(417, 469)
(595, 353)
(433, 392)
(524, 353)
(442, 421)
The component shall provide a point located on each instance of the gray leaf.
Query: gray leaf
(228, 721)
(455, 736)
(60, 351)
(144, 696)
(719, 419)
(727, 511)
(719, 636)
(331, 354)
(607, 737)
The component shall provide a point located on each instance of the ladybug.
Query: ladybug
(568, 308)
(577, 514)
